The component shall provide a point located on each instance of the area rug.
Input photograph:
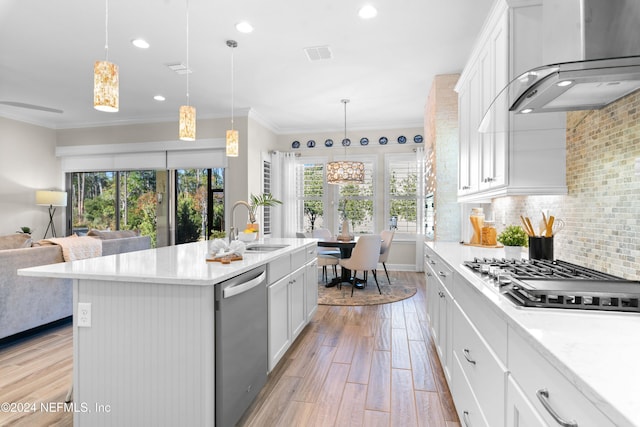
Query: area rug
(397, 291)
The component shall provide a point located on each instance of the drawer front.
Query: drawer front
(520, 412)
(465, 401)
(439, 269)
(311, 252)
(485, 373)
(548, 391)
(490, 325)
(298, 258)
(278, 268)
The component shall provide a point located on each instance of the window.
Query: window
(266, 188)
(356, 202)
(310, 190)
(401, 182)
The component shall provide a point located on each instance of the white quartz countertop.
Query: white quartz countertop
(599, 352)
(177, 265)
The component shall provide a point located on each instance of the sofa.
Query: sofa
(30, 302)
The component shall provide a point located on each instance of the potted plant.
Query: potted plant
(24, 230)
(514, 239)
(255, 201)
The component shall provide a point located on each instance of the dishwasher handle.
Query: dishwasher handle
(244, 286)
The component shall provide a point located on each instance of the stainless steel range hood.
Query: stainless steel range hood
(596, 44)
(582, 85)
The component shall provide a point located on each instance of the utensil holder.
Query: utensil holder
(541, 247)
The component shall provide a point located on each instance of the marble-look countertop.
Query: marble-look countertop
(598, 352)
(184, 264)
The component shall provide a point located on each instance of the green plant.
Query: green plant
(216, 234)
(513, 235)
(265, 199)
(25, 230)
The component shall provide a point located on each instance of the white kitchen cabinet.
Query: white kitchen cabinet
(520, 413)
(311, 288)
(501, 152)
(467, 405)
(439, 307)
(551, 395)
(292, 299)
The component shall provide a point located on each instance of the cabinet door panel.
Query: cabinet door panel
(278, 301)
(520, 413)
(297, 302)
(311, 290)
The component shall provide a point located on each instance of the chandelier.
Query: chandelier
(345, 171)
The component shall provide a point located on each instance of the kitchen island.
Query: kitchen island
(582, 365)
(145, 352)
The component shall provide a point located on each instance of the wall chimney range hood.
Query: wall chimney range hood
(569, 86)
(593, 47)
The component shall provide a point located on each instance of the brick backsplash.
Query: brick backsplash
(602, 207)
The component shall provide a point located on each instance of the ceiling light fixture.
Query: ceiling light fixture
(232, 135)
(367, 12)
(187, 129)
(159, 98)
(140, 43)
(345, 171)
(244, 27)
(105, 77)
(564, 83)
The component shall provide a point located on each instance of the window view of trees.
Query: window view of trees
(356, 205)
(123, 200)
(403, 190)
(195, 200)
(311, 193)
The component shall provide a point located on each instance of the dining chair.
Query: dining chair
(385, 248)
(364, 257)
(326, 256)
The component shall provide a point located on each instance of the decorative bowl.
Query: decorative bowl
(247, 237)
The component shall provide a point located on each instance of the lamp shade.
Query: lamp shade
(187, 123)
(345, 172)
(51, 198)
(106, 92)
(232, 143)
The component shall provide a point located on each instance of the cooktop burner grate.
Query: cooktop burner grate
(559, 284)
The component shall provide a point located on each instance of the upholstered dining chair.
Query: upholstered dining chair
(385, 247)
(364, 257)
(326, 256)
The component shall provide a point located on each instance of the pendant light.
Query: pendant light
(187, 131)
(345, 171)
(232, 135)
(105, 77)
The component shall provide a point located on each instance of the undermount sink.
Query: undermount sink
(264, 247)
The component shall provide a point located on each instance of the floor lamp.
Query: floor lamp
(52, 199)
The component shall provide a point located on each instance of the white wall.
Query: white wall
(27, 164)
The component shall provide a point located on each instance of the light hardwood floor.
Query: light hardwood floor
(369, 366)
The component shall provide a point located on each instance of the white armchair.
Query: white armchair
(364, 257)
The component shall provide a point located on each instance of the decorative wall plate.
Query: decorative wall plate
(311, 143)
(383, 140)
(402, 139)
(328, 143)
(346, 142)
(418, 139)
(364, 141)
(295, 144)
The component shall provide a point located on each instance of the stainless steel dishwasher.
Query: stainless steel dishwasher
(241, 343)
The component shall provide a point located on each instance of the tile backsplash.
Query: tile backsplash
(602, 207)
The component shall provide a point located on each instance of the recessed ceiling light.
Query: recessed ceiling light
(159, 98)
(367, 12)
(564, 83)
(244, 27)
(140, 43)
(527, 111)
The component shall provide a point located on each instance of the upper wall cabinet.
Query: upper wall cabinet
(502, 153)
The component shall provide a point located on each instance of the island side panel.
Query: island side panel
(148, 357)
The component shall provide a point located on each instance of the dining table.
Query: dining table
(345, 247)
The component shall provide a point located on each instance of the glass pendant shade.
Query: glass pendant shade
(232, 143)
(106, 91)
(345, 172)
(187, 123)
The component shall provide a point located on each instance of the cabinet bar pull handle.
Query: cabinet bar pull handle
(543, 396)
(442, 274)
(465, 418)
(441, 294)
(467, 355)
(432, 262)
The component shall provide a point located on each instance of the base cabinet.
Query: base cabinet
(520, 413)
(292, 300)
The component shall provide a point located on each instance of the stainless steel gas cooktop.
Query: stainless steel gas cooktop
(559, 284)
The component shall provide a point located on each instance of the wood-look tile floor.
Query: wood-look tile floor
(351, 366)
(360, 366)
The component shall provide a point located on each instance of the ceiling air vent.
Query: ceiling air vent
(179, 68)
(318, 53)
